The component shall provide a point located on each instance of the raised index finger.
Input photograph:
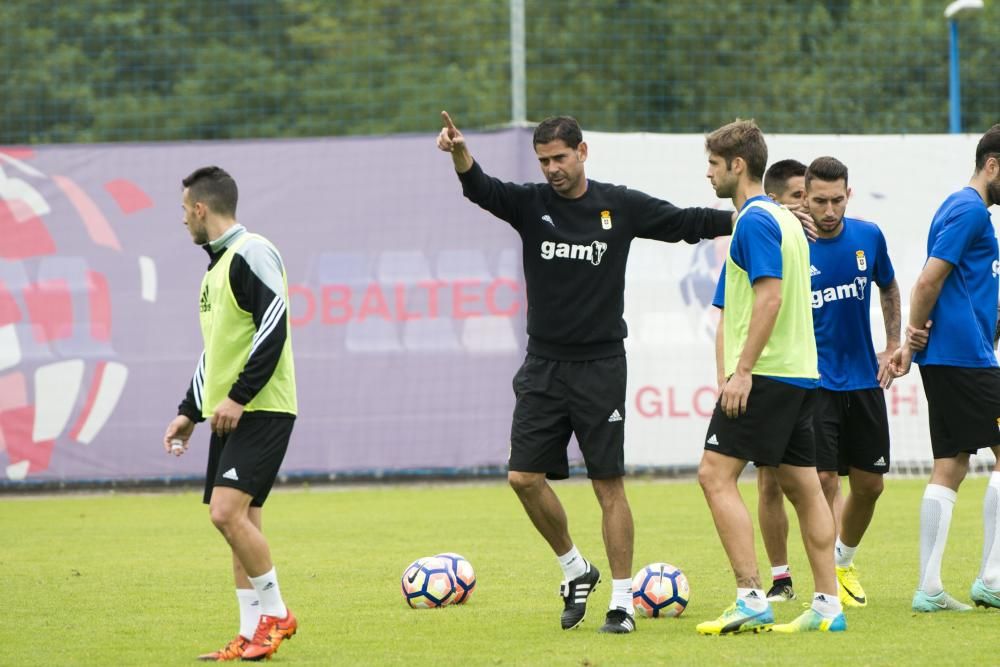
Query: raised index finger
(447, 121)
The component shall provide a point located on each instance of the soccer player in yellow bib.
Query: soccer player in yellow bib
(767, 351)
(245, 386)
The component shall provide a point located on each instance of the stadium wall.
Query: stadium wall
(407, 301)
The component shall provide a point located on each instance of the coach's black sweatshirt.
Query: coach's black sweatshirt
(575, 251)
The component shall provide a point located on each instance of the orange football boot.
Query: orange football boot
(231, 651)
(271, 631)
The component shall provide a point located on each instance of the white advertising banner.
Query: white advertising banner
(897, 182)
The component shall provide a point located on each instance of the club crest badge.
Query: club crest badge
(606, 219)
(862, 262)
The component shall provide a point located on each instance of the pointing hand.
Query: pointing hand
(450, 137)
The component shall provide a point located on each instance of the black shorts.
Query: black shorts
(852, 431)
(964, 408)
(558, 398)
(248, 458)
(776, 429)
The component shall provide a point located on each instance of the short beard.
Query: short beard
(567, 187)
(993, 192)
(725, 191)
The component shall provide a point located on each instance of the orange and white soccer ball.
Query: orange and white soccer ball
(660, 590)
(428, 583)
(465, 576)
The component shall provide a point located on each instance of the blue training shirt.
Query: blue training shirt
(843, 269)
(965, 315)
(756, 248)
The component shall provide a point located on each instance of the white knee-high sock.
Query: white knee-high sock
(269, 594)
(249, 611)
(990, 570)
(935, 520)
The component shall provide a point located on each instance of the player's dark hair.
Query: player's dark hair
(558, 127)
(988, 146)
(777, 175)
(826, 168)
(741, 138)
(214, 187)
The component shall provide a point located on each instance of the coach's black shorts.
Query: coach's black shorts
(776, 429)
(852, 431)
(964, 408)
(248, 458)
(558, 398)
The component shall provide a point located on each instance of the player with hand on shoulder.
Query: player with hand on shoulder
(785, 183)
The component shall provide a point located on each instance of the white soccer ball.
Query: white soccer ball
(660, 590)
(428, 583)
(464, 575)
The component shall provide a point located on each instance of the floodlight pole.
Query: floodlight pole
(518, 75)
(952, 12)
(954, 81)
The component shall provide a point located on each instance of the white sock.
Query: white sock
(990, 570)
(755, 598)
(249, 611)
(826, 605)
(781, 572)
(935, 520)
(621, 595)
(843, 554)
(573, 564)
(269, 594)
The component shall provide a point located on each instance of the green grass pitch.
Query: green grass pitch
(132, 579)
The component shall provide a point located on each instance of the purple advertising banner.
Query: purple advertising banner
(406, 301)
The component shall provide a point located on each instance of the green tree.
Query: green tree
(107, 70)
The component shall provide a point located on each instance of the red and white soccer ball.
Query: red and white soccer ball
(428, 583)
(465, 576)
(660, 590)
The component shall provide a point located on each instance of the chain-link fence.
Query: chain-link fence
(140, 70)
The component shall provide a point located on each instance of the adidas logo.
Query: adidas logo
(712, 440)
(813, 271)
(231, 474)
(615, 416)
(752, 595)
(269, 586)
(880, 462)
(205, 302)
(547, 218)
